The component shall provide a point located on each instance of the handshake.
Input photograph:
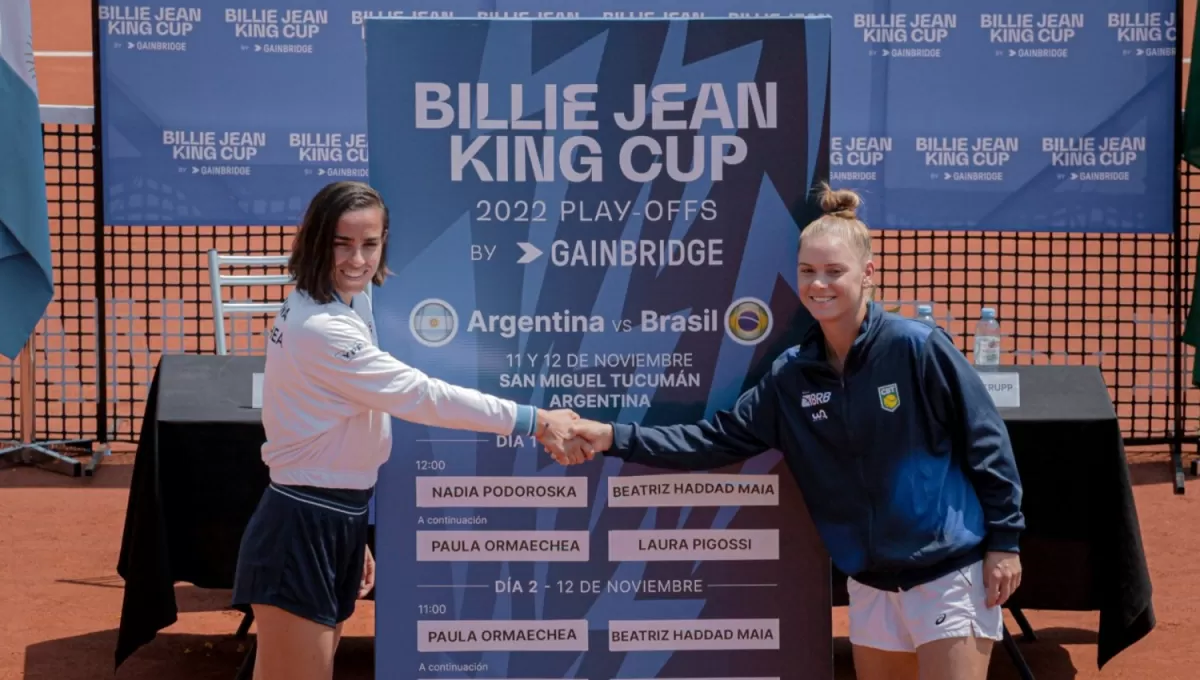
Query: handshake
(569, 439)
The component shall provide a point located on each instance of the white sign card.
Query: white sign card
(1005, 388)
(256, 394)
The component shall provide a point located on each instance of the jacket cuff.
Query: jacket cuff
(622, 438)
(1004, 541)
(526, 423)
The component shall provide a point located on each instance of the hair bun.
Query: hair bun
(840, 203)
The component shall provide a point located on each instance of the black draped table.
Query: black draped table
(197, 477)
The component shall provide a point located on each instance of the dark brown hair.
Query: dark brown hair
(311, 262)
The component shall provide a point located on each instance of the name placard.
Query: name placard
(256, 390)
(1005, 388)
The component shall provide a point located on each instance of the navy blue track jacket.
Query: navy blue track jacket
(903, 460)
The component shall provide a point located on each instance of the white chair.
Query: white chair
(217, 280)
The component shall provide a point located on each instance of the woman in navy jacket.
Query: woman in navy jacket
(899, 451)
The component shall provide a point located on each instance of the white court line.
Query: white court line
(67, 55)
(67, 115)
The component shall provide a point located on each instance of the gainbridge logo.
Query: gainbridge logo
(433, 322)
(748, 321)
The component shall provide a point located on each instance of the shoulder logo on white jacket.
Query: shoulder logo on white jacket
(351, 352)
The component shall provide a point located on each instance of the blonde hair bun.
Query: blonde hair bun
(840, 203)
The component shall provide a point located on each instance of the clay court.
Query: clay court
(60, 537)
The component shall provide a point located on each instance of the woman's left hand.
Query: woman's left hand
(1001, 576)
(368, 577)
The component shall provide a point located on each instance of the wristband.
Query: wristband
(527, 417)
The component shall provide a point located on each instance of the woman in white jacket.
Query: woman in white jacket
(328, 392)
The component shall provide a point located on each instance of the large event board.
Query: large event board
(568, 232)
(997, 114)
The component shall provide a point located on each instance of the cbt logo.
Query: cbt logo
(748, 321)
(433, 322)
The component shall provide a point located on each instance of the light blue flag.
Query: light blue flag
(26, 274)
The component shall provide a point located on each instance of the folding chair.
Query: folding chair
(217, 280)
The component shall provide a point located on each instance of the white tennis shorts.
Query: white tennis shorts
(954, 605)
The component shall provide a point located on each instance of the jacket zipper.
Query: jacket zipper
(862, 471)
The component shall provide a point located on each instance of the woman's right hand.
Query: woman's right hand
(554, 429)
(585, 440)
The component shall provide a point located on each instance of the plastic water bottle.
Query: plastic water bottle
(925, 315)
(987, 339)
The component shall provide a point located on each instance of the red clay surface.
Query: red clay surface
(62, 596)
(60, 538)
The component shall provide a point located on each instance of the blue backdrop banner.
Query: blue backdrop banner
(570, 231)
(990, 115)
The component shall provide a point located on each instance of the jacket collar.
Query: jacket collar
(812, 346)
